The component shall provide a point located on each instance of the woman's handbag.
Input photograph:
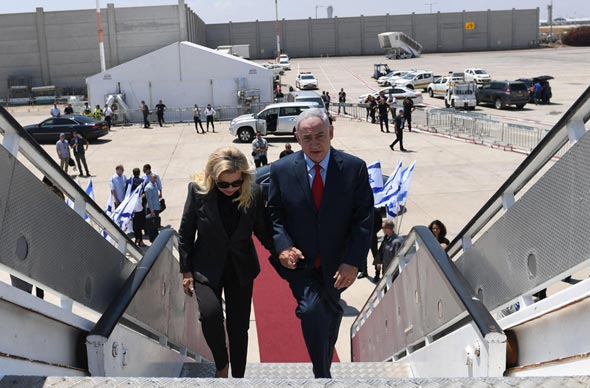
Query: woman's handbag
(71, 162)
(152, 223)
(162, 205)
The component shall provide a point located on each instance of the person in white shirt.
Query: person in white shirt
(108, 112)
(210, 113)
(55, 111)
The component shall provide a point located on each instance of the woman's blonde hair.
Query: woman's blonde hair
(230, 160)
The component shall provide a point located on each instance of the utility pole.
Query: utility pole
(430, 4)
(550, 17)
(277, 29)
(103, 66)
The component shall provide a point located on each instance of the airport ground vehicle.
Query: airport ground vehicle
(380, 69)
(275, 119)
(398, 45)
(479, 76)
(503, 93)
(461, 95)
(306, 80)
(49, 129)
(398, 92)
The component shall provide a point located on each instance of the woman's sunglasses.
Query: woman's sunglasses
(226, 185)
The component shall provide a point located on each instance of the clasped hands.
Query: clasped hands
(344, 276)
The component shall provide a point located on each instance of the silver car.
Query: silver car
(275, 119)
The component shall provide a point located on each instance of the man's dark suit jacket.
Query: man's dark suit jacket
(341, 231)
(205, 257)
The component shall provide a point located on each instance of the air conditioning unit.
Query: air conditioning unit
(119, 108)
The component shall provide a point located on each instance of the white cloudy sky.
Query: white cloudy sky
(221, 11)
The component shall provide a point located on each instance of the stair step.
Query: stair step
(340, 370)
(149, 382)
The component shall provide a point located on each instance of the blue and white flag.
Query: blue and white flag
(406, 179)
(391, 187)
(375, 176)
(109, 209)
(123, 214)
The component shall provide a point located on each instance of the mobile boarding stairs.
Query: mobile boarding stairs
(466, 316)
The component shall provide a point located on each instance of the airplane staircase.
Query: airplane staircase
(437, 318)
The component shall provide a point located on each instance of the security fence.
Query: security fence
(182, 115)
(481, 128)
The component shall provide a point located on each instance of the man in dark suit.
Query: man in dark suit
(321, 207)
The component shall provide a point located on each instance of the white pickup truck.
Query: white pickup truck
(415, 80)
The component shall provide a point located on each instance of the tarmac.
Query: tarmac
(452, 179)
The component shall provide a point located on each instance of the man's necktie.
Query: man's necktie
(317, 190)
(317, 187)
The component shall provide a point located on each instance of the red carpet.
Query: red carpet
(279, 330)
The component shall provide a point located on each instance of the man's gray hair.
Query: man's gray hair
(313, 112)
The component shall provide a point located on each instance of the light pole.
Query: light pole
(100, 37)
(277, 29)
(430, 4)
(316, 10)
(550, 17)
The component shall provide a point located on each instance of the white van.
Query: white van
(275, 119)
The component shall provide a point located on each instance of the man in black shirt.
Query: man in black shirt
(286, 151)
(383, 109)
(160, 108)
(408, 109)
(69, 110)
(399, 132)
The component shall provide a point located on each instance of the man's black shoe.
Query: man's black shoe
(362, 275)
(391, 147)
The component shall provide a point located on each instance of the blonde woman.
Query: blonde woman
(223, 208)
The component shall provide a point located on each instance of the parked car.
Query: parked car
(530, 84)
(479, 76)
(275, 119)
(415, 80)
(503, 93)
(284, 63)
(49, 129)
(398, 92)
(439, 87)
(391, 77)
(306, 96)
(306, 80)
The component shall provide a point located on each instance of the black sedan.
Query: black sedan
(48, 130)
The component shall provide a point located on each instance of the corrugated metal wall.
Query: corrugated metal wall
(61, 48)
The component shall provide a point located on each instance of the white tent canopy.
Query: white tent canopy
(181, 74)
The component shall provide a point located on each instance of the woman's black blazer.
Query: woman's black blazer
(206, 255)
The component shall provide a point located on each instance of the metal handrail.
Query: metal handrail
(17, 140)
(474, 306)
(113, 314)
(569, 127)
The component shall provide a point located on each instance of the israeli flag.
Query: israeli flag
(406, 179)
(375, 176)
(109, 208)
(123, 214)
(392, 208)
(391, 187)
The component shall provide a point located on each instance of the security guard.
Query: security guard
(97, 114)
